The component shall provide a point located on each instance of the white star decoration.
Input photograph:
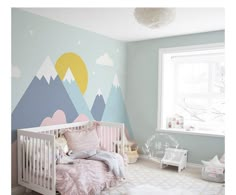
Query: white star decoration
(213, 162)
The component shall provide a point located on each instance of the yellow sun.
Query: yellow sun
(77, 67)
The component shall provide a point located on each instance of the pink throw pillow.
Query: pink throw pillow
(82, 140)
(222, 159)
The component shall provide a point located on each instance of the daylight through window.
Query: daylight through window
(192, 89)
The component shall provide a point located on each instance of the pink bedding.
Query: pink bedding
(84, 177)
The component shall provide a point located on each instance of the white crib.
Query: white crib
(37, 152)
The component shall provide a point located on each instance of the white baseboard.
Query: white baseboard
(18, 190)
(194, 165)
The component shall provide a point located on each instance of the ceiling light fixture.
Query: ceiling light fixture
(154, 17)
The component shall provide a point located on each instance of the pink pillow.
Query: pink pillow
(82, 140)
(222, 159)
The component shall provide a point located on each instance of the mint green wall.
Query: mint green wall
(141, 92)
(36, 38)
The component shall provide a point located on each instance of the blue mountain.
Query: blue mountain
(98, 106)
(75, 94)
(115, 110)
(45, 95)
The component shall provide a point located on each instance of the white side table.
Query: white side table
(175, 157)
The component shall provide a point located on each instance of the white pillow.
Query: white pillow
(213, 162)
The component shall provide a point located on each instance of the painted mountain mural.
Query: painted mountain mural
(75, 94)
(98, 106)
(115, 110)
(45, 95)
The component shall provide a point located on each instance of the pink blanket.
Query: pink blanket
(84, 177)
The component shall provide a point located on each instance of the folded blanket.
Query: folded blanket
(114, 161)
(83, 154)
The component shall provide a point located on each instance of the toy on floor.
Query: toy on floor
(214, 170)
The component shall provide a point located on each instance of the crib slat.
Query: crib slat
(118, 140)
(49, 175)
(26, 162)
(37, 164)
(45, 154)
(33, 154)
(41, 163)
(108, 139)
(101, 134)
(114, 141)
(111, 135)
(103, 137)
(30, 158)
(53, 164)
(23, 157)
(122, 138)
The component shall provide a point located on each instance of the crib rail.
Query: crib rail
(111, 136)
(37, 153)
(36, 161)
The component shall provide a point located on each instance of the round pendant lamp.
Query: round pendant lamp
(154, 17)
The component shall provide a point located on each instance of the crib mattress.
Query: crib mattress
(84, 177)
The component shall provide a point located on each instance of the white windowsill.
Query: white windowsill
(195, 132)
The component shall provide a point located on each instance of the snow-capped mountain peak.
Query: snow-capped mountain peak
(47, 70)
(116, 83)
(69, 76)
(99, 93)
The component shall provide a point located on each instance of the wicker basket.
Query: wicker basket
(215, 174)
(132, 156)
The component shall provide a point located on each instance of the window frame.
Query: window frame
(173, 50)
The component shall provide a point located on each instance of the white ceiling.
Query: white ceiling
(120, 24)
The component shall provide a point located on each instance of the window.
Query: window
(192, 89)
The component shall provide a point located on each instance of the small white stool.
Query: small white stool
(175, 157)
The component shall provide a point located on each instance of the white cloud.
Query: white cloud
(15, 72)
(105, 60)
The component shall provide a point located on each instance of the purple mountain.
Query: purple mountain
(45, 95)
(98, 106)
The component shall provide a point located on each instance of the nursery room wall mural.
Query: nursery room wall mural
(62, 74)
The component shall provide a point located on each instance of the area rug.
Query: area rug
(145, 176)
(152, 190)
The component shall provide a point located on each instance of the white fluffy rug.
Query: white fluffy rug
(152, 190)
